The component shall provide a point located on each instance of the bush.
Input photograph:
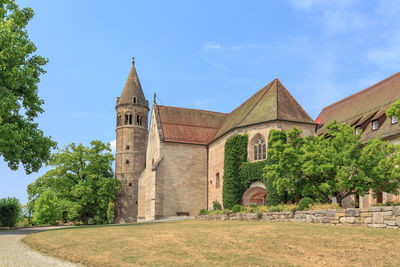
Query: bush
(237, 208)
(9, 211)
(203, 212)
(305, 203)
(392, 203)
(216, 205)
(47, 209)
(110, 212)
(332, 206)
(253, 205)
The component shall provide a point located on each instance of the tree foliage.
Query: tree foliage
(235, 154)
(82, 181)
(21, 141)
(10, 210)
(47, 208)
(394, 109)
(337, 166)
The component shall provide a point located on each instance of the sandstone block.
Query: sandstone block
(377, 218)
(368, 220)
(398, 220)
(342, 220)
(388, 213)
(391, 223)
(340, 214)
(334, 221)
(352, 212)
(375, 209)
(392, 218)
(396, 210)
(350, 220)
(387, 208)
(392, 227)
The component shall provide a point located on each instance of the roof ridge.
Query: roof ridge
(362, 91)
(191, 125)
(293, 99)
(192, 109)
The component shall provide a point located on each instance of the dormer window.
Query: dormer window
(375, 125)
(394, 120)
(358, 130)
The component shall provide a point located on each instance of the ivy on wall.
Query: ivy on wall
(239, 173)
(235, 155)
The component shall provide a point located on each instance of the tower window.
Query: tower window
(127, 147)
(134, 100)
(217, 180)
(127, 162)
(119, 120)
(138, 120)
(130, 119)
(394, 120)
(126, 119)
(375, 125)
(130, 184)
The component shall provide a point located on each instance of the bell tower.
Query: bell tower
(132, 114)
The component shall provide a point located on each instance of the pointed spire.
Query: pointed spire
(132, 92)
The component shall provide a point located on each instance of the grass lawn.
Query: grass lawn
(209, 243)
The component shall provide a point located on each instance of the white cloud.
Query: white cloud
(113, 144)
(219, 47)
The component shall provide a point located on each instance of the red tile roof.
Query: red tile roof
(191, 126)
(366, 105)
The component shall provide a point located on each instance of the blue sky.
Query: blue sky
(200, 54)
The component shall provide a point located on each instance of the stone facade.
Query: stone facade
(375, 217)
(177, 166)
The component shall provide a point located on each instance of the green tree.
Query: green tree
(82, 180)
(394, 110)
(21, 141)
(47, 208)
(338, 166)
(10, 210)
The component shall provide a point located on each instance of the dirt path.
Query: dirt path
(14, 253)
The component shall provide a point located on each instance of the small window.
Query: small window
(375, 125)
(217, 180)
(358, 130)
(127, 162)
(126, 119)
(152, 162)
(394, 120)
(119, 120)
(130, 119)
(134, 100)
(138, 120)
(127, 147)
(130, 184)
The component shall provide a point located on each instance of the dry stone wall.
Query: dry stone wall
(376, 217)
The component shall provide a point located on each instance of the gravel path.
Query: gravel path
(14, 253)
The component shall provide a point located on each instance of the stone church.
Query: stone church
(176, 167)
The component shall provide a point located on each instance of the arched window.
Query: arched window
(134, 100)
(217, 180)
(259, 148)
(126, 119)
(138, 120)
(127, 162)
(119, 118)
(130, 119)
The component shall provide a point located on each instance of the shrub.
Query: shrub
(216, 205)
(305, 203)
(392, 203)
(237, 208)
(253, 205)
(203, 212)
(227, 211)
(274, 209)
(9, 211)
(110, 212)
(331, 206)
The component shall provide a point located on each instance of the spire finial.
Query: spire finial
(133, 60)
(155, 95)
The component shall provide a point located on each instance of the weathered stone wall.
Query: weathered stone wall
(216, 151)
(181, 182)
(376, 217)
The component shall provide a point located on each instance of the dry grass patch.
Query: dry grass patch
(208, 243)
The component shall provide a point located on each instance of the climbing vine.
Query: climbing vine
(239, 173)
(235, 155)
